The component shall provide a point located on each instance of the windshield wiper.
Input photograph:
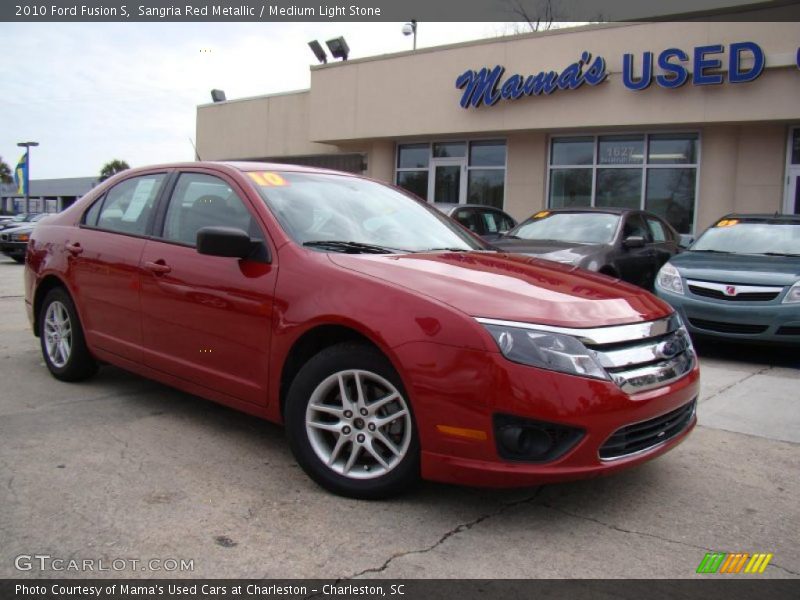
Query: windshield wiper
(714, 251)
(352, 247)
(780, 254)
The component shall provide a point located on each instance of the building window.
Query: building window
(465, 172)
(655, 172)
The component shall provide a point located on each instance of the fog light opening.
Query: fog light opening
(528, 442)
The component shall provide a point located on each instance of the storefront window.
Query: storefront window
(449, 150)
(413, 156)
(487, 154)
(415, 182)
(796, 146)
(619, 187)
(486, 186)
(572, 151)
(621, 150)
(627, 171)
(670, 194)
(570, 188)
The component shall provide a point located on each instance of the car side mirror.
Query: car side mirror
(633, 241)
(229, 242)
(685, 240)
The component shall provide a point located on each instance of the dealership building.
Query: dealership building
(690, 120)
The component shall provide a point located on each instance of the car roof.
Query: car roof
(450, 205)
(614, 210)
(243, 166)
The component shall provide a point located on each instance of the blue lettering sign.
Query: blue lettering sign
(485, 87)
(701, 64)
(678, 73)
(735, 73)
(647, 72)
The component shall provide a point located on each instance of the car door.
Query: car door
(103, 256)
(635, 264)
(664, 242)
(207, 319)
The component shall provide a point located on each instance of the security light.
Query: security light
(338, 48)
(318, 51)
(218, 96)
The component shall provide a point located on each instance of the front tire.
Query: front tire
(63, 344)
(350, 425)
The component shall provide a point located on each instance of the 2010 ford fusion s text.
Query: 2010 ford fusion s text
(391, 342)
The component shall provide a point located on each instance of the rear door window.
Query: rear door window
(128, 205)
(469, 219)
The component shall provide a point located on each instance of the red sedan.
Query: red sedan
(391, 342)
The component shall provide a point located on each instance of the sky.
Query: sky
(93, 92)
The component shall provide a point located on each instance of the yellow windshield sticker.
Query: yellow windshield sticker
(727, 222)
(541, 214)
(268, 179)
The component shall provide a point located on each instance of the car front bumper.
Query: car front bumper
(13, 249)
(771, 322)
(481, 385)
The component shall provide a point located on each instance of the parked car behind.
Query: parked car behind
(18, 220)
(14, 240)
(739, 280)
(486, 221)
(391, 342)
(624, 243)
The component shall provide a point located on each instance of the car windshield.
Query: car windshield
(581, 228)
(336, 213)
(735, 236)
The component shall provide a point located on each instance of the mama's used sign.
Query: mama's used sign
(669, 70)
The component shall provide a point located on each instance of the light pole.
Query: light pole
(27, 182)
(410, 28)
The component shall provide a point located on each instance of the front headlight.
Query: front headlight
(793, 295)
(20, 237)
(553, 351)
(669, 279)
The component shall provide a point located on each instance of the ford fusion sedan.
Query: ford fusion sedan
(739, 280)
(391, 342)
(627, 244)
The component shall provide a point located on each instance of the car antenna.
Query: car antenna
(196, 153)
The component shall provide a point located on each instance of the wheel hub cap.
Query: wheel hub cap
(57, 334)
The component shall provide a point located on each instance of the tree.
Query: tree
(536, 16)
(112, 168)
(5, 172)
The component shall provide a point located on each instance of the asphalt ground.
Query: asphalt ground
(120, 467)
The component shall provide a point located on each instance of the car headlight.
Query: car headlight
(793, 295)
(20, 237)
(669, 279)
(553, 351)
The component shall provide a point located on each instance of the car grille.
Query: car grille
(733, 292)
(646, 435)
(720, 327)
(789, 330)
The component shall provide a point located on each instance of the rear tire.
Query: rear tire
(350, 425)
(19, 259)
(61, 335)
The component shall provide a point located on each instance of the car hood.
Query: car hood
(27, 227)
(563, 252)
(738, 268)
(512, 287)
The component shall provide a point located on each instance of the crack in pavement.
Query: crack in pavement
(650, 535)
(447, 535)
(737, 382)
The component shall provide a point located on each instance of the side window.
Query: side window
(128, 205)
(204, 201)
(491, 221)
(469, 219)
(634, 225)
(90, 216)
(657, 230)
(506, 224)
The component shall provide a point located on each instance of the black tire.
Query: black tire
(312, 378)
(19, 259)
(79, 363)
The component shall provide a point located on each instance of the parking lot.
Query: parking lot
(123, 468)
